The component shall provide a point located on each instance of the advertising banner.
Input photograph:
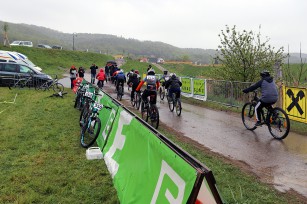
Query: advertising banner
(186, 88)
(294, 103)
(144, 169)
(199, 89)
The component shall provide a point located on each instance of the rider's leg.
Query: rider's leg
(258, 109)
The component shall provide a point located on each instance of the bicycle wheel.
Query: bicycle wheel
(58, 87)
(249, 116)
(137, 99)
(90, 132)
(143, 111)
(85, 113)
(120, 93)
(161, 93)
(279, 123)
(178, 107)
(171, 102)
(153, 116)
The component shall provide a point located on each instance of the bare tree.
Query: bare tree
(6, 41)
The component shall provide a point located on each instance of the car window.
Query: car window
(10, 68)
(1, 65)
(25, 69)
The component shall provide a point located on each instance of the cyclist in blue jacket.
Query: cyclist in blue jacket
(269, 93)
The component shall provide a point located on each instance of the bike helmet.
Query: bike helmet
(265, 73)
(151, 72)
(165, 72)
(173, 76)
(137, 72)
(149, 66)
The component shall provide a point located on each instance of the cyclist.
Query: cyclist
(269, 93)
(119, 77)
(152, 84)
(149, 67)
(138, 74)
(134, 82)
(173, 85)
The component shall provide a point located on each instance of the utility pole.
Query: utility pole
(6, 41)
(73, 40)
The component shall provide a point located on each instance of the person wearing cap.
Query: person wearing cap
(73, 75)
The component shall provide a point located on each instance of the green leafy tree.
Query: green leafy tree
(244, 55)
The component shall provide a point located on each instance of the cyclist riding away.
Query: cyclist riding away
(134, 82)
(173, 85)
(269, 93)
(120, 78)
(152, 84)
(138, 74)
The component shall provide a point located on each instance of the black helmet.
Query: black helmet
(151, 72)
(265, 73)
(165, 72)
(149, 66)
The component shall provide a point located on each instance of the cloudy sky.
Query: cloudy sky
(182, 23)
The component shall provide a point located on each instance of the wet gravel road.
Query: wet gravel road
(281, 163)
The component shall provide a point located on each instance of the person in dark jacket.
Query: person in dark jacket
(269, 93)
(73, 75)
(81, 72)
(173, 85)
(134, 80)
(93, 73)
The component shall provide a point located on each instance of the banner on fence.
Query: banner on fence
(199, 89)
(186, 88)
(146, 169)
(294, 103)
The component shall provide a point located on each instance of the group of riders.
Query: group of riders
(133, 79)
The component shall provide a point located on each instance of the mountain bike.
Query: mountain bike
(120, 91)
(174, 102)
(150, 112)
(275, 118)
(91, 124)
(56, 86)
(79, 101)
(21, 82)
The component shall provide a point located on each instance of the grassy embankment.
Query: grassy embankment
(43, 162)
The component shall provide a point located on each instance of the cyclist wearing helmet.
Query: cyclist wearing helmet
(174, 86)
(269, 93)
(152, 84)
(164, 77)
(133, 81)
(138, 74)
(119, 78)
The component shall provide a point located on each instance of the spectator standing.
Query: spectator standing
(107, 72)
(93, 73)
(81, 72)
(73, 75)
(101, 77)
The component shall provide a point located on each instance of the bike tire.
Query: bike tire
(144, 113)
(161, 94)
(153, 116)
(279, 122)
(137, 100)
(58, 87)
(249, 116)
(83, 116)
(178, 107)
(90, 132)
(171, 104)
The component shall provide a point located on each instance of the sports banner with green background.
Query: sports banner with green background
(144, 168)
(199, 89)
(186, 88)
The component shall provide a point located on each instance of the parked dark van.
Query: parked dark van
(10, 72)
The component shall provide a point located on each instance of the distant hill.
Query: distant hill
(111, 44)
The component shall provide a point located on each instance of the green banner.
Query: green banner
(199, 87)
(186, 85)
(144, 169)
(106, 117)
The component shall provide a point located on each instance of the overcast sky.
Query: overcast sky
(181, 23)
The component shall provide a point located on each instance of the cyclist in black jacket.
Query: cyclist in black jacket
(173, 85)
(269, 93)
